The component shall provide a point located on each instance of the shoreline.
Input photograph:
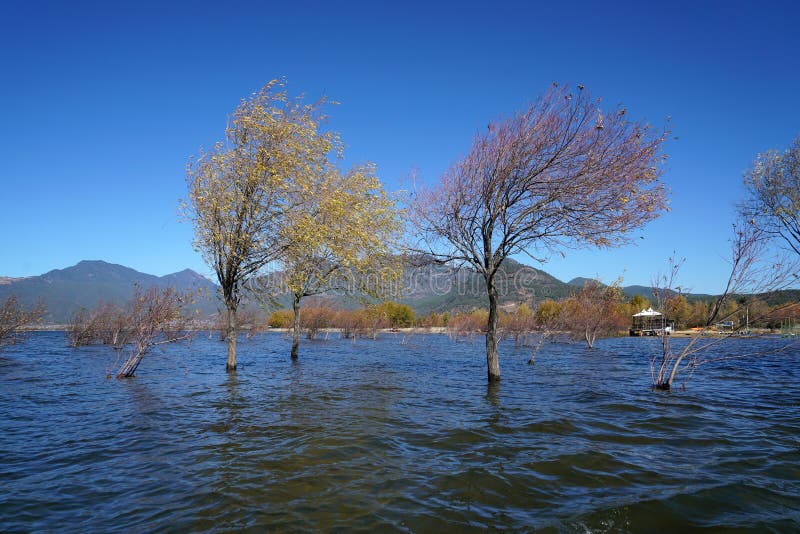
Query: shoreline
(425, 330)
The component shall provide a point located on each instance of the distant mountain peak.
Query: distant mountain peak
(580, 281)
(89, 282)
(186, 276)
(98, 264)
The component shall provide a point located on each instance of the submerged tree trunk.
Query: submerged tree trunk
(492, 340)
(295, 326)
(590, 338)
(663, 381)
(128, 369)
(231, 334)
(668, 383)
(538, 345)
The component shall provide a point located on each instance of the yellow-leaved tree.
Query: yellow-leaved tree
(340, 235)
(240, 192)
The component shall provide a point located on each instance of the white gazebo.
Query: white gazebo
(650, 323)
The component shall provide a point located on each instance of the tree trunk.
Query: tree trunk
(538, 345)
(295, 326)
(231, 334)
(128, 368)
(492, 358)
(590, 338)
(674, 372)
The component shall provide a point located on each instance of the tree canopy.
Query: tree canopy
(340, 235)
(239, 191)
(339, 232)
(773, 187)
(560, 173)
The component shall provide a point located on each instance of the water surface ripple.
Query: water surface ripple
(399, 434)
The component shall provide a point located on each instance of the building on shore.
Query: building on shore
(651, 323)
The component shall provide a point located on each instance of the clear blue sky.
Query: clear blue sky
(102, 103)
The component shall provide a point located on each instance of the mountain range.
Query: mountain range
(431, 288)
(645, 291)
(88, 283)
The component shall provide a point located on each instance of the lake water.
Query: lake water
(399, 434)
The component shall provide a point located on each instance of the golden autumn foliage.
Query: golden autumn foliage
(352, 323)
(340, 236)
(240, 191)
(341, 233)
(271, 193)
(280, 319)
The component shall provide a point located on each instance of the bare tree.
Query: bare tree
(519, 324)
(317, 316)
(468, 324)
(531, 329)
(105, 324)
(154, 319)
(14, 318)
(773, 185)
(82, 329)
(238, 192)
(561, 173)
(548, 323)
(752, 271)
(595, 310)
(113, 324)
